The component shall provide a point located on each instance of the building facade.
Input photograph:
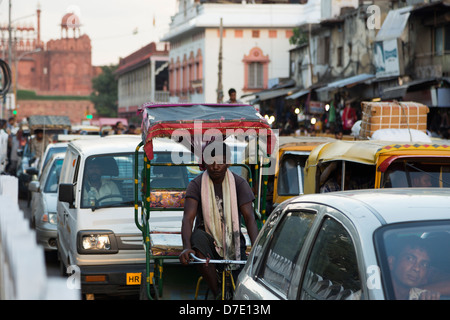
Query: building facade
(377, 50)
(143, 76)
(58, 68)
(238, 44)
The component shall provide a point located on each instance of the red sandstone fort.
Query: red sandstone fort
(60, 68)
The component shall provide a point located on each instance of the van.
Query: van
(97, 236)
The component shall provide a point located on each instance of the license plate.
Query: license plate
(133, 279)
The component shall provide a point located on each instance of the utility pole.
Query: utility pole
(219, 84)
(9, 36)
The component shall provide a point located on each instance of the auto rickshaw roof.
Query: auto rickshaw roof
(367, 151)
(48, 122)
(163, 120)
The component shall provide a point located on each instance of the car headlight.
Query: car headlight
(52, 217)
(98, 241)
(49, 217)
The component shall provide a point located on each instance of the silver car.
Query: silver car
(43, 202)
(366, 244)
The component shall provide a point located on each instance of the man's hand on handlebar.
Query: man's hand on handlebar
(185, 257)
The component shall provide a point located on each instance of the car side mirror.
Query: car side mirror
(65, 193)
(32, 171)
(33, 186)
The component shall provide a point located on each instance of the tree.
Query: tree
(299, 37)
(104, 95)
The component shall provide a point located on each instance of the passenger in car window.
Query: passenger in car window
(409, 264)
(421, 179)
(330, 178)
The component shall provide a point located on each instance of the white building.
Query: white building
(255, 46)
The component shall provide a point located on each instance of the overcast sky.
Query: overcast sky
(111, 24)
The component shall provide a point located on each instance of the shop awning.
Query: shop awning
(270, 94)
(347, 82)
(400, 91)
(298, 94)
(394, 24)
(351, 80)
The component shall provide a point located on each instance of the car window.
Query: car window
(283, 251)
(332, 272)
(51, 184)
(291, 171)
(414, 259)
(264, 234)
(52, 151)
(110, 179)
(167, 177)
(402, 174)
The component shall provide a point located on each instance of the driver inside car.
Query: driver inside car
(98, 189)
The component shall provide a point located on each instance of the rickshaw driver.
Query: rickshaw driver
(216, 198)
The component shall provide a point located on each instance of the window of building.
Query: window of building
(340, 57)
(255, 33)
(272, 33)
(441, 40)
(255, 75)
(323, 50)
(256, 70)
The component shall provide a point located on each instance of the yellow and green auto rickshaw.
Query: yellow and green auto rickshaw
(378, 164)
(288, 180)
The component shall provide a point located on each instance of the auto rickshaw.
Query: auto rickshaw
(378, 164)
(192, 125)
(288, 180)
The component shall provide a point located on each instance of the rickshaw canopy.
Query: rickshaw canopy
(163, 120)
(36, 122)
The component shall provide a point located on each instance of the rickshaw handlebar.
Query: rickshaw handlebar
(224, 261)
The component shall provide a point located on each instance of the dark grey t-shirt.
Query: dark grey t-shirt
(243, 191)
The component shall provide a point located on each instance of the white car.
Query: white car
(43, 202)
(97, 232)
(364, 244)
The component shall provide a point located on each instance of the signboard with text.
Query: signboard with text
(387, 58)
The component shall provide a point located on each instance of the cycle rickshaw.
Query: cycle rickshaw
(190, 125)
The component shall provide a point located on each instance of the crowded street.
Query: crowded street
(252, 151)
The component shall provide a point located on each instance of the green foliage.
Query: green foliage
(31, 95)
(104, 95)
(299, 37)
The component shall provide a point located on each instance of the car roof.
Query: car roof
(122, 143)
(386, 206)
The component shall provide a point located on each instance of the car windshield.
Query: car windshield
(169, 177)
(51, 184)
(109, 180)
(52, 151)
(402, 174)
(415, 260)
